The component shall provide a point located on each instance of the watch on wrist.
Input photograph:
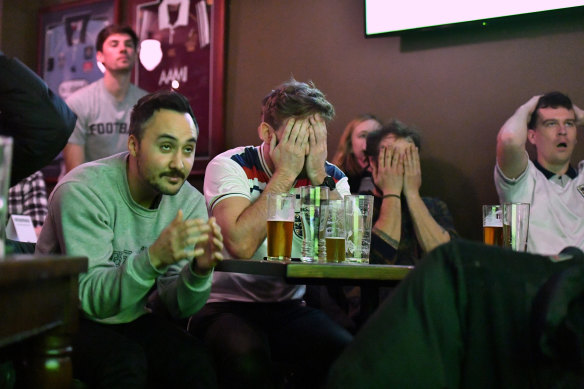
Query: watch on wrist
(329, 182)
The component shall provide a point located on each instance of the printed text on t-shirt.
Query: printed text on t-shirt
(108, 128)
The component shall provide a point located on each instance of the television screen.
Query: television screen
(385, 16)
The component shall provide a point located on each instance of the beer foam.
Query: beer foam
(493, 220)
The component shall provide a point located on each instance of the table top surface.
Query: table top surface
(38, 294)
(19, 268)
(295, 270)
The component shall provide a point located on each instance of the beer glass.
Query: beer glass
(280, 225)
(493, 225)
(515, 225)
(358, 220)
(312, 207)
(5, 165)
(335, 231)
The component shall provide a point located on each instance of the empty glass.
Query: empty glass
(312, 207)
(358, 220)
(515, 225)
(5, 165)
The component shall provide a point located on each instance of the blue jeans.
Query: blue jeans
(252, 343)
(148, 352)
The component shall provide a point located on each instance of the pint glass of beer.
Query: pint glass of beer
(335, 231)
(493, 225)
(280, 225)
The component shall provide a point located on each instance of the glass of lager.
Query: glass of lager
(280, 225)
(515, 225)
(493, 225)
(335, 231)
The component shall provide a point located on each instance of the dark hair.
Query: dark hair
(344, 157)
(549, 100)
(295, 99)
(395, 127)
(149, 104)
(114, 29)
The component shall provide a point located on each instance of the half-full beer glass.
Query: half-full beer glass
(280, 225)
(493, 225)
(335, 231)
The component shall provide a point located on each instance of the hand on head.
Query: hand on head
(303, 145)
(288, 154)
(318, 150)
(397, 169)
(529, 107)
(579, 114)
(388, 173)
(412, 170)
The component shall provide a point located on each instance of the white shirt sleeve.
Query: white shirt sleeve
(224, 178)
(518, 189)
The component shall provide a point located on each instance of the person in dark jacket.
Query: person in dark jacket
(38, 120)
(475, 316)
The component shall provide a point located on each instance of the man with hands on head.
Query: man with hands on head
(148, 239)
(251, 323)
(553, 188)
(405, 225)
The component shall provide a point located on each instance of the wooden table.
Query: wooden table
(39, 304)
(369, 277)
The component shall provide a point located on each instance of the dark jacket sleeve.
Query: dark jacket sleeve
(39, 121)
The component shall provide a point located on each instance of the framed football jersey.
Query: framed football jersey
(67, 35)
(182, 48)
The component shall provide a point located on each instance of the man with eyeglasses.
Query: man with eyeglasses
(550, 184)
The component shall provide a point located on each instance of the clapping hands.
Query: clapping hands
(188, 239)
(208, 251)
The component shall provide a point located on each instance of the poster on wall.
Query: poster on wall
(181, 48)
(67, 35)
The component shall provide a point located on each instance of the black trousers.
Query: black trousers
(268, 345)
(150, 352)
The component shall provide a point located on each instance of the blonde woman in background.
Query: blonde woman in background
(350, 156)
(342, 303)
